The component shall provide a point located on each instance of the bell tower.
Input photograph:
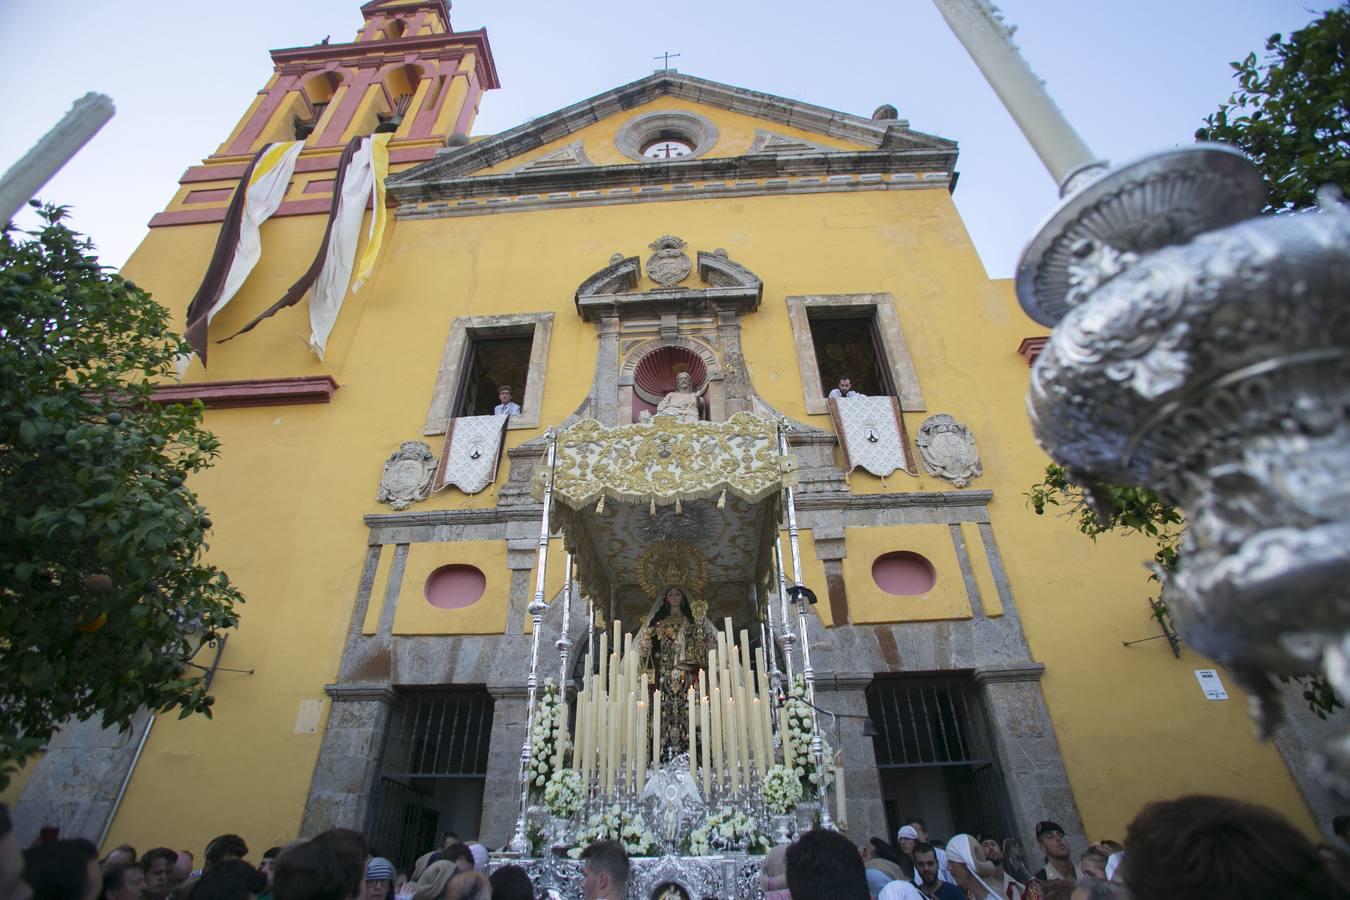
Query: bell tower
(406, 71)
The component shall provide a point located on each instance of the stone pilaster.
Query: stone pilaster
(501, 788)
(847, 698)
(605, 387)
(1028, 751)
(349, 758)
(76, 782)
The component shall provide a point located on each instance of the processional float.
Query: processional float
(702, 779)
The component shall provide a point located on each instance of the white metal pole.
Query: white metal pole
(519, 843)
(808, 673)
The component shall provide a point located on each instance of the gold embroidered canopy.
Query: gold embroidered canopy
(712, 487)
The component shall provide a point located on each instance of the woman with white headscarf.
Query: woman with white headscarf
(975, 874)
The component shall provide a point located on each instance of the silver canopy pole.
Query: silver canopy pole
(808, 673)
(564, 644)
(784, 618)
(519, 843)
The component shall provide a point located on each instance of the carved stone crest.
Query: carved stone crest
(407, 475)
(669, 265)
(948, 450)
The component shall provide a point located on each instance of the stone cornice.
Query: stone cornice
(686, 300)
(425, 183)
(253, 392)
(1031, 671)
(368, 52)
(382, 693)
(898, 501)
(432, 517)
(805, 503)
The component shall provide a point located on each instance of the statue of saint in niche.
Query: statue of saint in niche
(673, 642)
(682, 404)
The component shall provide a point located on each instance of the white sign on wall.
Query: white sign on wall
(1210, 684)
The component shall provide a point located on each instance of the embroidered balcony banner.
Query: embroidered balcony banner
(872, 435)
(472, 450)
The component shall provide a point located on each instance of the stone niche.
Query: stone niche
(652, 322)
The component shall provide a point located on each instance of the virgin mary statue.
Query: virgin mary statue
(673, 642)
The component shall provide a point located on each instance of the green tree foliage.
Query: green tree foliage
(1291, 112)
(103, 591)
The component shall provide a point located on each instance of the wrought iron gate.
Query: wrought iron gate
(433, 735)
(937, 722)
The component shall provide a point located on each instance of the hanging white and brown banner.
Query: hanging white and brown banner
(471, 454)
(239, 246)
(362, 168)
(872, 435)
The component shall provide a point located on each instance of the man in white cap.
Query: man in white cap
(915, 831)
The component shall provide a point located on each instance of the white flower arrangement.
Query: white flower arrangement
(547, 731)
(614, 824)
(562, 794)
(728, 831)
(800, 721)
(781, 789)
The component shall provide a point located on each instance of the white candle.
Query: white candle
(717, 758)
(635, 744)
(743, 700)
(757, 726)
(693, 734)
(656, 728)
(734, 754)
(705, 748)
(601, 702)
(602, 677)
(764, 709)
(989, 43)
(612, 763)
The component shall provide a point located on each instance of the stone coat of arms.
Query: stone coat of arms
(669, 265)
(407, 475)
(947, 449)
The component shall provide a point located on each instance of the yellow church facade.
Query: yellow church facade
(972, 652)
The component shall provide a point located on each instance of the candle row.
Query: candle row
(732, 703)
(613, 718)
(730, 730)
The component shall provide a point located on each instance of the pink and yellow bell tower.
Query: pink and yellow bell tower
(406, 71)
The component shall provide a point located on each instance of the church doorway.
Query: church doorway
(432, 772)
(935, 756)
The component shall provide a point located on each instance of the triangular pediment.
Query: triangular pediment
(773, 142)
(568, 157)
(584, 133)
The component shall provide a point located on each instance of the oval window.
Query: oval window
(455, 586)
(904, 573)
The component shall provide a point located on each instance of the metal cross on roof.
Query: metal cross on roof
(665, 60)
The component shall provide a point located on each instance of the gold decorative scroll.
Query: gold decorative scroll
(665, 461)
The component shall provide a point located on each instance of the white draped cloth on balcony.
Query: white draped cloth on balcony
(472, 450)
(872, 434)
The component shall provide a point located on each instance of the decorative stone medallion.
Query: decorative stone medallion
(407, 475)
(669, 265)
(948, 450)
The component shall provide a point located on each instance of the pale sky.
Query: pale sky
(1131, 77)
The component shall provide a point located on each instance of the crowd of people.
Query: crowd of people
(1192, 848)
